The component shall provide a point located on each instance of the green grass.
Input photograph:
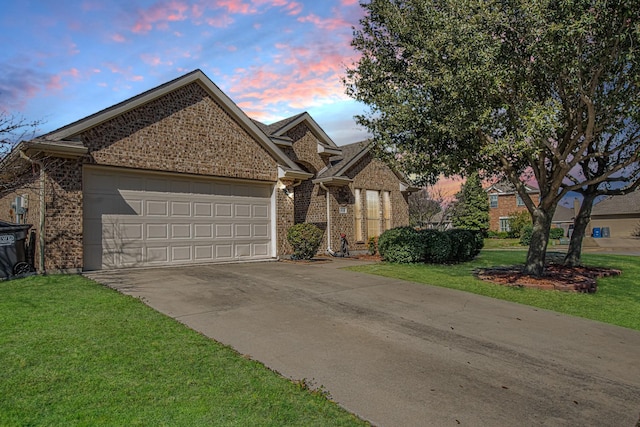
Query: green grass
(75, 353)
(503, 244)
(617, 300)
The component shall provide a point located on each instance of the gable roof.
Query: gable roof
(350, 155)
(505, 187)
(66, 134)
(340, 164)
(563, 214)
(628, 204)
(280, 128)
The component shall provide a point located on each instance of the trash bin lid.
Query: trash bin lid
(8, 227)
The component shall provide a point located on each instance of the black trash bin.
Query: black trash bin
(13, 254)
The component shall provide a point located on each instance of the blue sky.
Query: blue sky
(63, 60)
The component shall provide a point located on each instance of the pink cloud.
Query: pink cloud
(325, 24)
(154, 60)
(118, 38)
(220, 21)
(294, 8)
(348, 2)
(55, 83)
(159, 15)
(235, 6)
(126, 73)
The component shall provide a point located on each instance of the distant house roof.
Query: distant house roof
(506, 188)
(618, 205)
(563, 214)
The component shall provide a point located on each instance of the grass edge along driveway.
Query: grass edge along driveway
(617, 300)
(76, 353)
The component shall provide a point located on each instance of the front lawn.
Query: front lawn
(73, 352)
(617, 300)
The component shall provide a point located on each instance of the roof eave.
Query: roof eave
(323, 150)
(293, 174)
(57, 148)
(335, 181)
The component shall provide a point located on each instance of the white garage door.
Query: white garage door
(136, 219)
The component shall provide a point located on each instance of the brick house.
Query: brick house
(503, 202)
(180, 175)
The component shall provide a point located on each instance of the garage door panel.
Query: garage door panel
(224, 231)
(203, 253)
(243, 211)
(224, 210)
(260, 249)
(181, 254)
(180, 231)
(204, 210)
(158, 255)
(157, 208)
(224, 252)
(157, 231)
(181, 209)
(243, 250)
(129, 231)
(261, 211)
(136, 219)
(202, 231)
(261, 230)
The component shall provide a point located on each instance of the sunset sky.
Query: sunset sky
(63, 60)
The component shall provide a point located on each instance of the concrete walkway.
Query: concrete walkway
(402, 354)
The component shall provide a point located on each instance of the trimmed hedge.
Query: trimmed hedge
(406, 245)
(437, 246)
(305, 239)
(400, 244)
(462, 245)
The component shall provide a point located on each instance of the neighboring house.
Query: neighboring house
(503, 202)
(180, 175)
(563, 218)
(619, 215)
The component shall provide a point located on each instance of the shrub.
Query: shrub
(556, 233)
(437, 246)
(400, 244)
(305, 240)
(525, 235)
(372, 245)
(463, 245)
(478, 242)
(517, 220)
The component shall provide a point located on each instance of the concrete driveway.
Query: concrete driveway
(402, 354)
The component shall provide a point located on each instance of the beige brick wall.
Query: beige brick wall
(63, 204)
(184, 131)
(310, 199)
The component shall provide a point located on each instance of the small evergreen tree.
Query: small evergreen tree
(471, 209)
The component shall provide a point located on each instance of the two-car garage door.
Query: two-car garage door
(136, 219)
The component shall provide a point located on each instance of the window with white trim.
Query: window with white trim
(386, 209)
(357, 209)
(504, 224)
(519, 201)
(493, 200)
(373, 213)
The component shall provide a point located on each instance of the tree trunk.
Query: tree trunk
(534, 265)
(580, 223)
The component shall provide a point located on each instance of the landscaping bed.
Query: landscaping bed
(556, 277)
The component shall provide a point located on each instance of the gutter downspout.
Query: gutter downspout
(42, 209)
(324, 187)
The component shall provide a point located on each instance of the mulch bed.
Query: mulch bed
(556, 277)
